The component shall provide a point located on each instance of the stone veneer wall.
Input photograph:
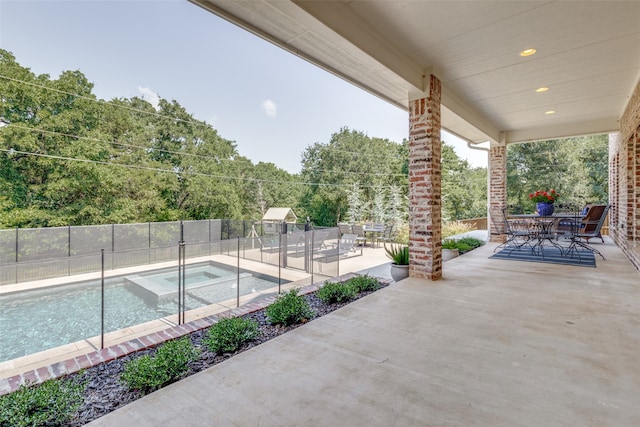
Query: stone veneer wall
(624, 181)
(425, 209)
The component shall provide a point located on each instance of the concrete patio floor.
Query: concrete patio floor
(494, 343)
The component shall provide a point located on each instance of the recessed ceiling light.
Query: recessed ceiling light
(527, 52)
(550, 112)
(542, 89)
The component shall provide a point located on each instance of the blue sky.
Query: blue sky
(271, 103)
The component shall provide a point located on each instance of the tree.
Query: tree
(349, 157)
(577, 168)
(463, 188)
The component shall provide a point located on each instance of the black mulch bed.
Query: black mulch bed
(105, 393)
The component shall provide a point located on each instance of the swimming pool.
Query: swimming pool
(38, 320)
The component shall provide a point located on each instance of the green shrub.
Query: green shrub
(51, 403)
(471, 241)
(288, 309)
(463, 247)
(364, 283)
(229, 334)
(169, 364)
(331, 293)
(449, 244)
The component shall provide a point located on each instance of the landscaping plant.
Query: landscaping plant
(398, 253)
(169, 364)
(332, 292)
(229, 334)
(288, 309)
(51, 403)
(364, 283)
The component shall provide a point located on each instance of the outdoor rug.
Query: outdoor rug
(551, 255)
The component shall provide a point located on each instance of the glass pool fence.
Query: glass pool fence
(124, 298)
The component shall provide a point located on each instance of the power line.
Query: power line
(12, 152)
(154, 113)
(179, 153)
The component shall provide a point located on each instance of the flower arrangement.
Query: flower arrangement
(544, 197)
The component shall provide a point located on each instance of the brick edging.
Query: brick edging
(85, 361)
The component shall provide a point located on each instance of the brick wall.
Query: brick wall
(425, 209)
(624, 181)
(497, 191)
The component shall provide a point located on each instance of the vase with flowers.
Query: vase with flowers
(544, 201)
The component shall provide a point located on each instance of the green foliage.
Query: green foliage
(398, 253)
(288, 309)
(51, 403)
(464, 189)
(577, 168)
(463, 245)
(471, 241)
(449, 244)
(452, 228)
(348, 170)
(169, 364)
(137, 164)
(364, 283)
(229, 334)
(333, 292)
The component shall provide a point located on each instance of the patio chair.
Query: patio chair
(358, 230)
(344, 228)
(593, 221)
(590, 228)
(519, 233)
(387, 234)
(345, 246)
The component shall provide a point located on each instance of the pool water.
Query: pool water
(41, 319)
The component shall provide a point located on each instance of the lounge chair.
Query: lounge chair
(346, 245)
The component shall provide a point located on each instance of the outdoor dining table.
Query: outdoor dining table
(541, 228)
(374, 230)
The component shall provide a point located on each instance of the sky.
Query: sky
(272, 104)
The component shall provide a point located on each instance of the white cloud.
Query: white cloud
(269, 108)
(150, 96)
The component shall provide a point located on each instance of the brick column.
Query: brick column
(497, 190)
(425, 209)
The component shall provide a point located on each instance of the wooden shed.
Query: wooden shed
(275, 217)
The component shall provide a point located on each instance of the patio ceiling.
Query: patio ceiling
(588, 55)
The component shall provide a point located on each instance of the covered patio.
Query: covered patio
(477, 341)
(494, 343)
(489, 72)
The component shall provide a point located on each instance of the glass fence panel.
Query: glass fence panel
(326, 254)
(146, 298)
(49, 315)
(251, 249)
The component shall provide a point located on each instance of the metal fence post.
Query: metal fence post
(279, 264)
(338, 260)
(238, 276)
(102, 299)
(181, 283)
(312, 242)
